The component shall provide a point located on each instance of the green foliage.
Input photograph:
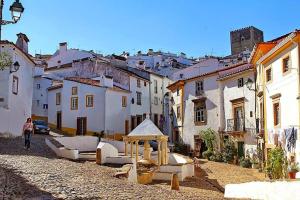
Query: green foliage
(229, 151)
(209, 138)
(245, 162)
(217, 157)
(207, 154)
(276, 164)
(294, 167)
(5, 60)
(181, 148)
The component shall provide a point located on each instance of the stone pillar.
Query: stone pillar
(174, 182)
(163, 150)
(159, 153)
(147, 152)
(126, 150)
(166, 153)
(137, 151)
(131, 149)
(98, 156)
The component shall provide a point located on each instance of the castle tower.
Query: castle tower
(245, 38)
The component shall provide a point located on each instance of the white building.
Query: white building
(278, 101)
(15, 87)
(238, 108)
(40, 97)
(81, 106)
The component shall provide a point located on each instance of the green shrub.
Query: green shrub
(207, 154)
(219, 157)
(276, 164)
(209, 138)
(229, 151)
(245, 162)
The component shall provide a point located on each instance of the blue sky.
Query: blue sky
(196, 27)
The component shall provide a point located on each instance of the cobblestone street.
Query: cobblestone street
(38, 174)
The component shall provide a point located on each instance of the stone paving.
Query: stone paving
(39, 174)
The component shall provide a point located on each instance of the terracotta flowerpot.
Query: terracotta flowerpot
(292, 175)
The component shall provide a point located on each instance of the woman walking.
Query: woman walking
(27, 132)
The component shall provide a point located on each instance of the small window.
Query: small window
(74, 103)
(199, 87)
(240, 82)
(45, 106)
(155, 100)
(200, 113)
(89, 101)
(178, 112)
(138, 98)
(155, 86)
(38, 86)
(74, 91)
(145, 83)
(58, 98)
(276, 111)
(138, 83)
(269, 74)
(15, 85)
(141, 62)
(178, 92)
(286, 64)
(124, 101)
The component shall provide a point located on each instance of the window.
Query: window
(276, 112)
(155, 86)
(15, 85)
(286, 62)
(74, 103)
(177, 92)
(74, 91)
(178, 112)
(200, 113)
(240, 82)
(38, 102)
(138, 83)
(269, 74)
(89, 101)
(155, 100)
(45, 106)
(38, 86)
(138, 98)
(199, 87)
(58, 98)
(145, 83)
(124, 101)
(141, 62)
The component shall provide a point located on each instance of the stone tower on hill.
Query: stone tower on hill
(245, 38)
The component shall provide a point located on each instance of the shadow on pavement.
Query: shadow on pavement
(14, 186)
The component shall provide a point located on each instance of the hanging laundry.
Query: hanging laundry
(271, 133)
(281, 138)
(291, 137)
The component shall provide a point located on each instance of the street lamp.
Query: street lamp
(15, 67)
(249, 84)
(16, 12)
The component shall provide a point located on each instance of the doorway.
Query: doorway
(81, 126)
(126, 127)
(58, 120)
(240, 149)
(238, 118)
(156, 119)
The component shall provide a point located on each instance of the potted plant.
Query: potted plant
(292, 170)
(255, 162)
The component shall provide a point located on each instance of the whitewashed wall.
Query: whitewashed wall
(212, 94)
(16, 108)
(40, 96)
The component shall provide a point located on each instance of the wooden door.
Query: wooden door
(81, 126)
(156, 119)
(240, 149)
(238, 118)
(58, 120)
(126, 127)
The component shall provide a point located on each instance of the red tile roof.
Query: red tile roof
(87, 81)
(235, 70)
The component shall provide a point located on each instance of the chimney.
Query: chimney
(22, 42)
(63, 47)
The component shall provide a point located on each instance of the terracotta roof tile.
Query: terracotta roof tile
(86, 81)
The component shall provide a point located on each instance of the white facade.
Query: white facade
(15, 91)
(235, 96)
(65, 56)
(211, 97)
(106, 114)
(40, 97)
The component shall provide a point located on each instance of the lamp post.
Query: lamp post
(16, 12)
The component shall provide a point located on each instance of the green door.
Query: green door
(241, 149)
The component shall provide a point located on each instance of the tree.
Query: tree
(209, 138)
(5, 60)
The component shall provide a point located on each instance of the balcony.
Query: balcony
(235, 125)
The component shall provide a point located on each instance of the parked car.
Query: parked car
(41, 127)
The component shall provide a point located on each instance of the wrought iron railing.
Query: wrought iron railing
(237, 124)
